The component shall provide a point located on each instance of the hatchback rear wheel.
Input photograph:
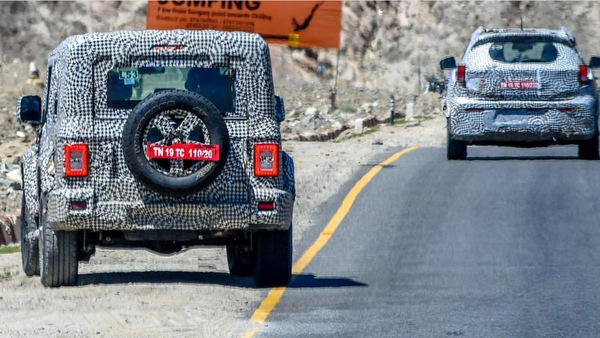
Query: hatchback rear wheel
(457, 150)
(588, 149)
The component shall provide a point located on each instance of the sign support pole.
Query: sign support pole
(334, 90)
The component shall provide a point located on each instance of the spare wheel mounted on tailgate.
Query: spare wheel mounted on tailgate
(175, 142)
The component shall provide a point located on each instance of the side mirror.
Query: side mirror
(594, 62)
(448, 63)
(280, 113)
(29, 109)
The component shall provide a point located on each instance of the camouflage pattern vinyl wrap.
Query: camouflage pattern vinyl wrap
(77, 112)
(556, 107)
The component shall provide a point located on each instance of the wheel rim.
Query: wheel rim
(176, 126)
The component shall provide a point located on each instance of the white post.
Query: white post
(409, 111)
(358, 126)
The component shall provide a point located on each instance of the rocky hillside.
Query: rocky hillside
(388, 47)
(391, 45)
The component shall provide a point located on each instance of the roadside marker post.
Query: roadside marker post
(392, 108)
(410, 111)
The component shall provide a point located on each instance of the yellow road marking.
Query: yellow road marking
(274, 296)
(251, 333)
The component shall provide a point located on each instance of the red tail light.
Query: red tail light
(461, 72)
(266, 160)
(266, 206)
(583, 74)
(76, 160)
(78, 205)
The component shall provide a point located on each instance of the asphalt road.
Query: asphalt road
(505, 244)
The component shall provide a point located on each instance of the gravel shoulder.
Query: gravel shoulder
(132, 293)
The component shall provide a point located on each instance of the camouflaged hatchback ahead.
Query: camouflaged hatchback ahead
(521, 87)
(162, 140)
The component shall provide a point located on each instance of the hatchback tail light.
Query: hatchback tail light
(461, 72)
(266, 160)
(76, 160)
(583, 74)
(78, 205)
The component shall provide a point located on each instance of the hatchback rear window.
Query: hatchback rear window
(523, 51)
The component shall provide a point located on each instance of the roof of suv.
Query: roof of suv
(150, 43)
(482, 34)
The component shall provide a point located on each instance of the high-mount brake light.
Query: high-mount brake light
(583, 74)
(76, 160)
(266, 160)
(461, 72)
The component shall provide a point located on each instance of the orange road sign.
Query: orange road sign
(295, 23)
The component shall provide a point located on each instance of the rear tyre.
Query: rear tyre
(59, 255)
(457, 150)
(240, 261)
(588, 149)
(29, 243)
(273, 258)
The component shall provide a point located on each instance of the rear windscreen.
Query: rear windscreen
(127, 86)
(523, 51)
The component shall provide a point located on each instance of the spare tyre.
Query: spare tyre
(175, 142)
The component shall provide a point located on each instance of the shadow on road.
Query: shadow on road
(212, 278)
(168, 277)
(310, 281)
(521, 158)
(371, 165)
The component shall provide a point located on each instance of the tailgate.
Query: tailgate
(523, 83)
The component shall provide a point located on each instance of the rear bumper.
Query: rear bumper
(126, 216)
(565, 121)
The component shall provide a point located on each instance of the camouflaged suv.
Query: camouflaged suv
(521, 87)
(162, 140)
